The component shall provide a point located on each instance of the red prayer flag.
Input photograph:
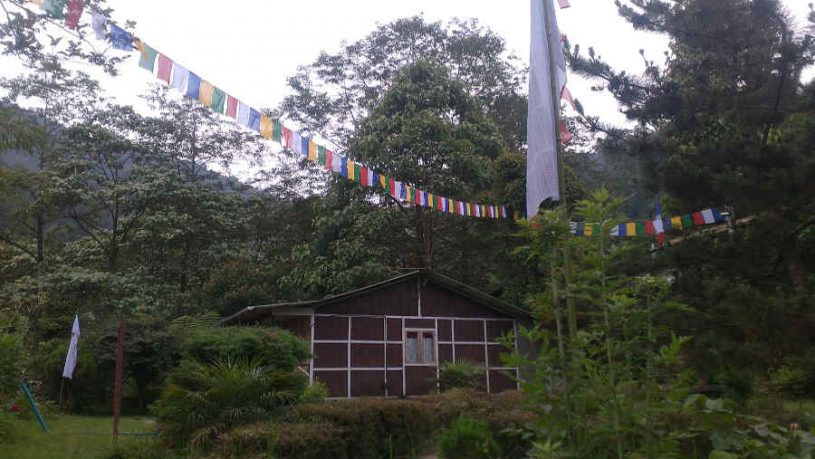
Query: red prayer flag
(391, 187)
(231, 107)
(165, 66)
(363, 175)
(418, 200)
(287, 138)
(75, 8)
(698, 218)
(649, 228)
(329, 159)
(565, 135)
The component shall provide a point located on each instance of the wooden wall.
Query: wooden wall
(358, 344)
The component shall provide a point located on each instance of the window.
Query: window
(420, 347)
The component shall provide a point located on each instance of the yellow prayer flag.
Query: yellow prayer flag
(205, 93)
(469, 210)
(266, 126)
(312, 151)
(382, 181)
(588, 229)
(432, 202)
(630, 229)
(676, 222)
(408, 193)
(351, 172)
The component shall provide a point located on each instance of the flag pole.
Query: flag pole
(571, 311)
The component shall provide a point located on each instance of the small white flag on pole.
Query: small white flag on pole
(70, 359)
(547, 77)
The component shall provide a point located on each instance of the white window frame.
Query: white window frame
(420, 333)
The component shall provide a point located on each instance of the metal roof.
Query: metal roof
(264, 310)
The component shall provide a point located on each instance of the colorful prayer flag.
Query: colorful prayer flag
(687, 221)
(193, 85)
(707, 215)
(265, 127)
(218, 101)
(243, 114)
(676, 222)
(231, 107)
(181, 78)
(277, 131)
(99, 24)
(205, 92)
(120, 38)
(312, 151)
(147, 58)
(698, 219)
(165, 68)
(54, 8)
(254, 119)
(350, 171)
(75, 8)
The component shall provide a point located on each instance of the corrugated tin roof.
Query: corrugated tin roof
(264, 310)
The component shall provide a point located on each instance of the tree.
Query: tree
(334, 93)
(719, 124)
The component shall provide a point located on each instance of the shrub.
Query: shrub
(6, 426)
(375, 428)
(271, 347)
(316, 392)
(460, 374)
(10, 365)
(468, 438)
(140, 449)
(202, 401)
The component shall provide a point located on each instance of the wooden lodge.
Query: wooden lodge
(388, 339)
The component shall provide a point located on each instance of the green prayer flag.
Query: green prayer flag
(357, 172)
(595, 229)
(218, 101)
(277, 131)
(148, 57)
(640, 229)
(687, 221)
(321, 155)
(54, 8)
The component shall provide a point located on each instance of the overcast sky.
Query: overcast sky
(250, 47)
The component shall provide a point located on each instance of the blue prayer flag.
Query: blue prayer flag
(120, 38)
(193, 86)
(254, 120)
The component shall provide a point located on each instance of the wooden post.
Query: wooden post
(117, 386)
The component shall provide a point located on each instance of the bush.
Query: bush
(271, 347)
(202, 401)
(6, 426)
(461, 374)
(375, 428)
(10, 365)
(316, 392)
(468, 438)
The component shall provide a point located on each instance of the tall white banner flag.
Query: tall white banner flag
(542, 180)
(70, 359)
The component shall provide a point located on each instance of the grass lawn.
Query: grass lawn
(71, 437)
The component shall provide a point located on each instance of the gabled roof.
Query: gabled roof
(260, 311)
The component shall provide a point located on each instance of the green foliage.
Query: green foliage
(375, 428)
(460, 374)
(201, 401)
(468, 438)
(11, 365)
(7, 420)
(314, 393)
(275, 348)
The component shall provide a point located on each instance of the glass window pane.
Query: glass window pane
(427, 348)
(411, 348)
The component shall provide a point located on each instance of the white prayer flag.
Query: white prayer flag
(70, 359)
(542, 180)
